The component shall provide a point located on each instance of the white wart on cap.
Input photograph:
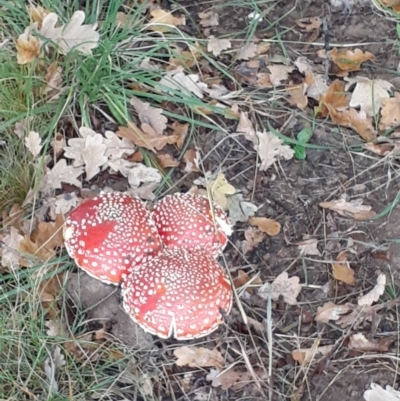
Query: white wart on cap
(179, 294)
(109, 235)
(192, 222)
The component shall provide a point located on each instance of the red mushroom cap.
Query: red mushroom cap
(192, 222)
(178, 293)
(109, 234)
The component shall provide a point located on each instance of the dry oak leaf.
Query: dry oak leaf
(93, 155)
(374, 295)
(72, 36)
(150, 115)
(30, 252)
(298, 96)
(28, 47)
(54, 81)
(34, 143)
(268, 226)
(368, 94)
(246, 127)
(309, 23)
(219, 189)
(231, 378)
(166, 160)
(9, 250)
(217, 46)
(279, 73)
(354, 209)
(306, 355)
(164, 21)
(358, 342)
(62, 173)
(144, 140)
(270, 148)
(330, 311)
(335, 96)
(37, 14)
(395, 4)
(239, 209)
(192, 159)
(384, 146)
(49, 234)
(116, 147)
(289, 288)
(181, 131)
(253, 237)
(247, 52)
(390, 112)
(309, 246)
(181, 82)
(341, 269)
(196, 357)
(378, 393)
(360, 122)
(348, 60)
(208, 18)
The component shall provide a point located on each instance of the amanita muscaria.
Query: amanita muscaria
(110, 234)
(192, 222)
(178, 293)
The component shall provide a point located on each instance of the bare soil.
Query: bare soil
(290, 193)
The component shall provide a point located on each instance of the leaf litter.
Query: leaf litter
(88, 158)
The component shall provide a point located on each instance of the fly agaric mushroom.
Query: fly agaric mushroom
(110, 234)
(192, 222)
(178, 293)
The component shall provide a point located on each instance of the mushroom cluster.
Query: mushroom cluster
(164, 259)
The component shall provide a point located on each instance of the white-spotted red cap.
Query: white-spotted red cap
(110, 234)
(178, 293)
(192, 222)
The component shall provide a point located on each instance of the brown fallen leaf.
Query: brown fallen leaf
(208, 18)
(144, 140)
(150, 115)
(192, 159)
(298, 96)
(341, 269)
(166, 160)
(309, 246)
(289, 288)
(232, 378)
(348, 60)
(358, 342)
(268, 226)
(164, 21)
(196, 357)
(374, 295)
(217, 46)
(181, 131)
(358, 121)
(368, 94)
(243, 278)
(219, 189)
(330, 311)
(246, 128)
(384, 146)
(306, 355)
(28, 47)
(390, 112)
(309, 23)
(335, 96)
(253, 237)
(354, 209)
